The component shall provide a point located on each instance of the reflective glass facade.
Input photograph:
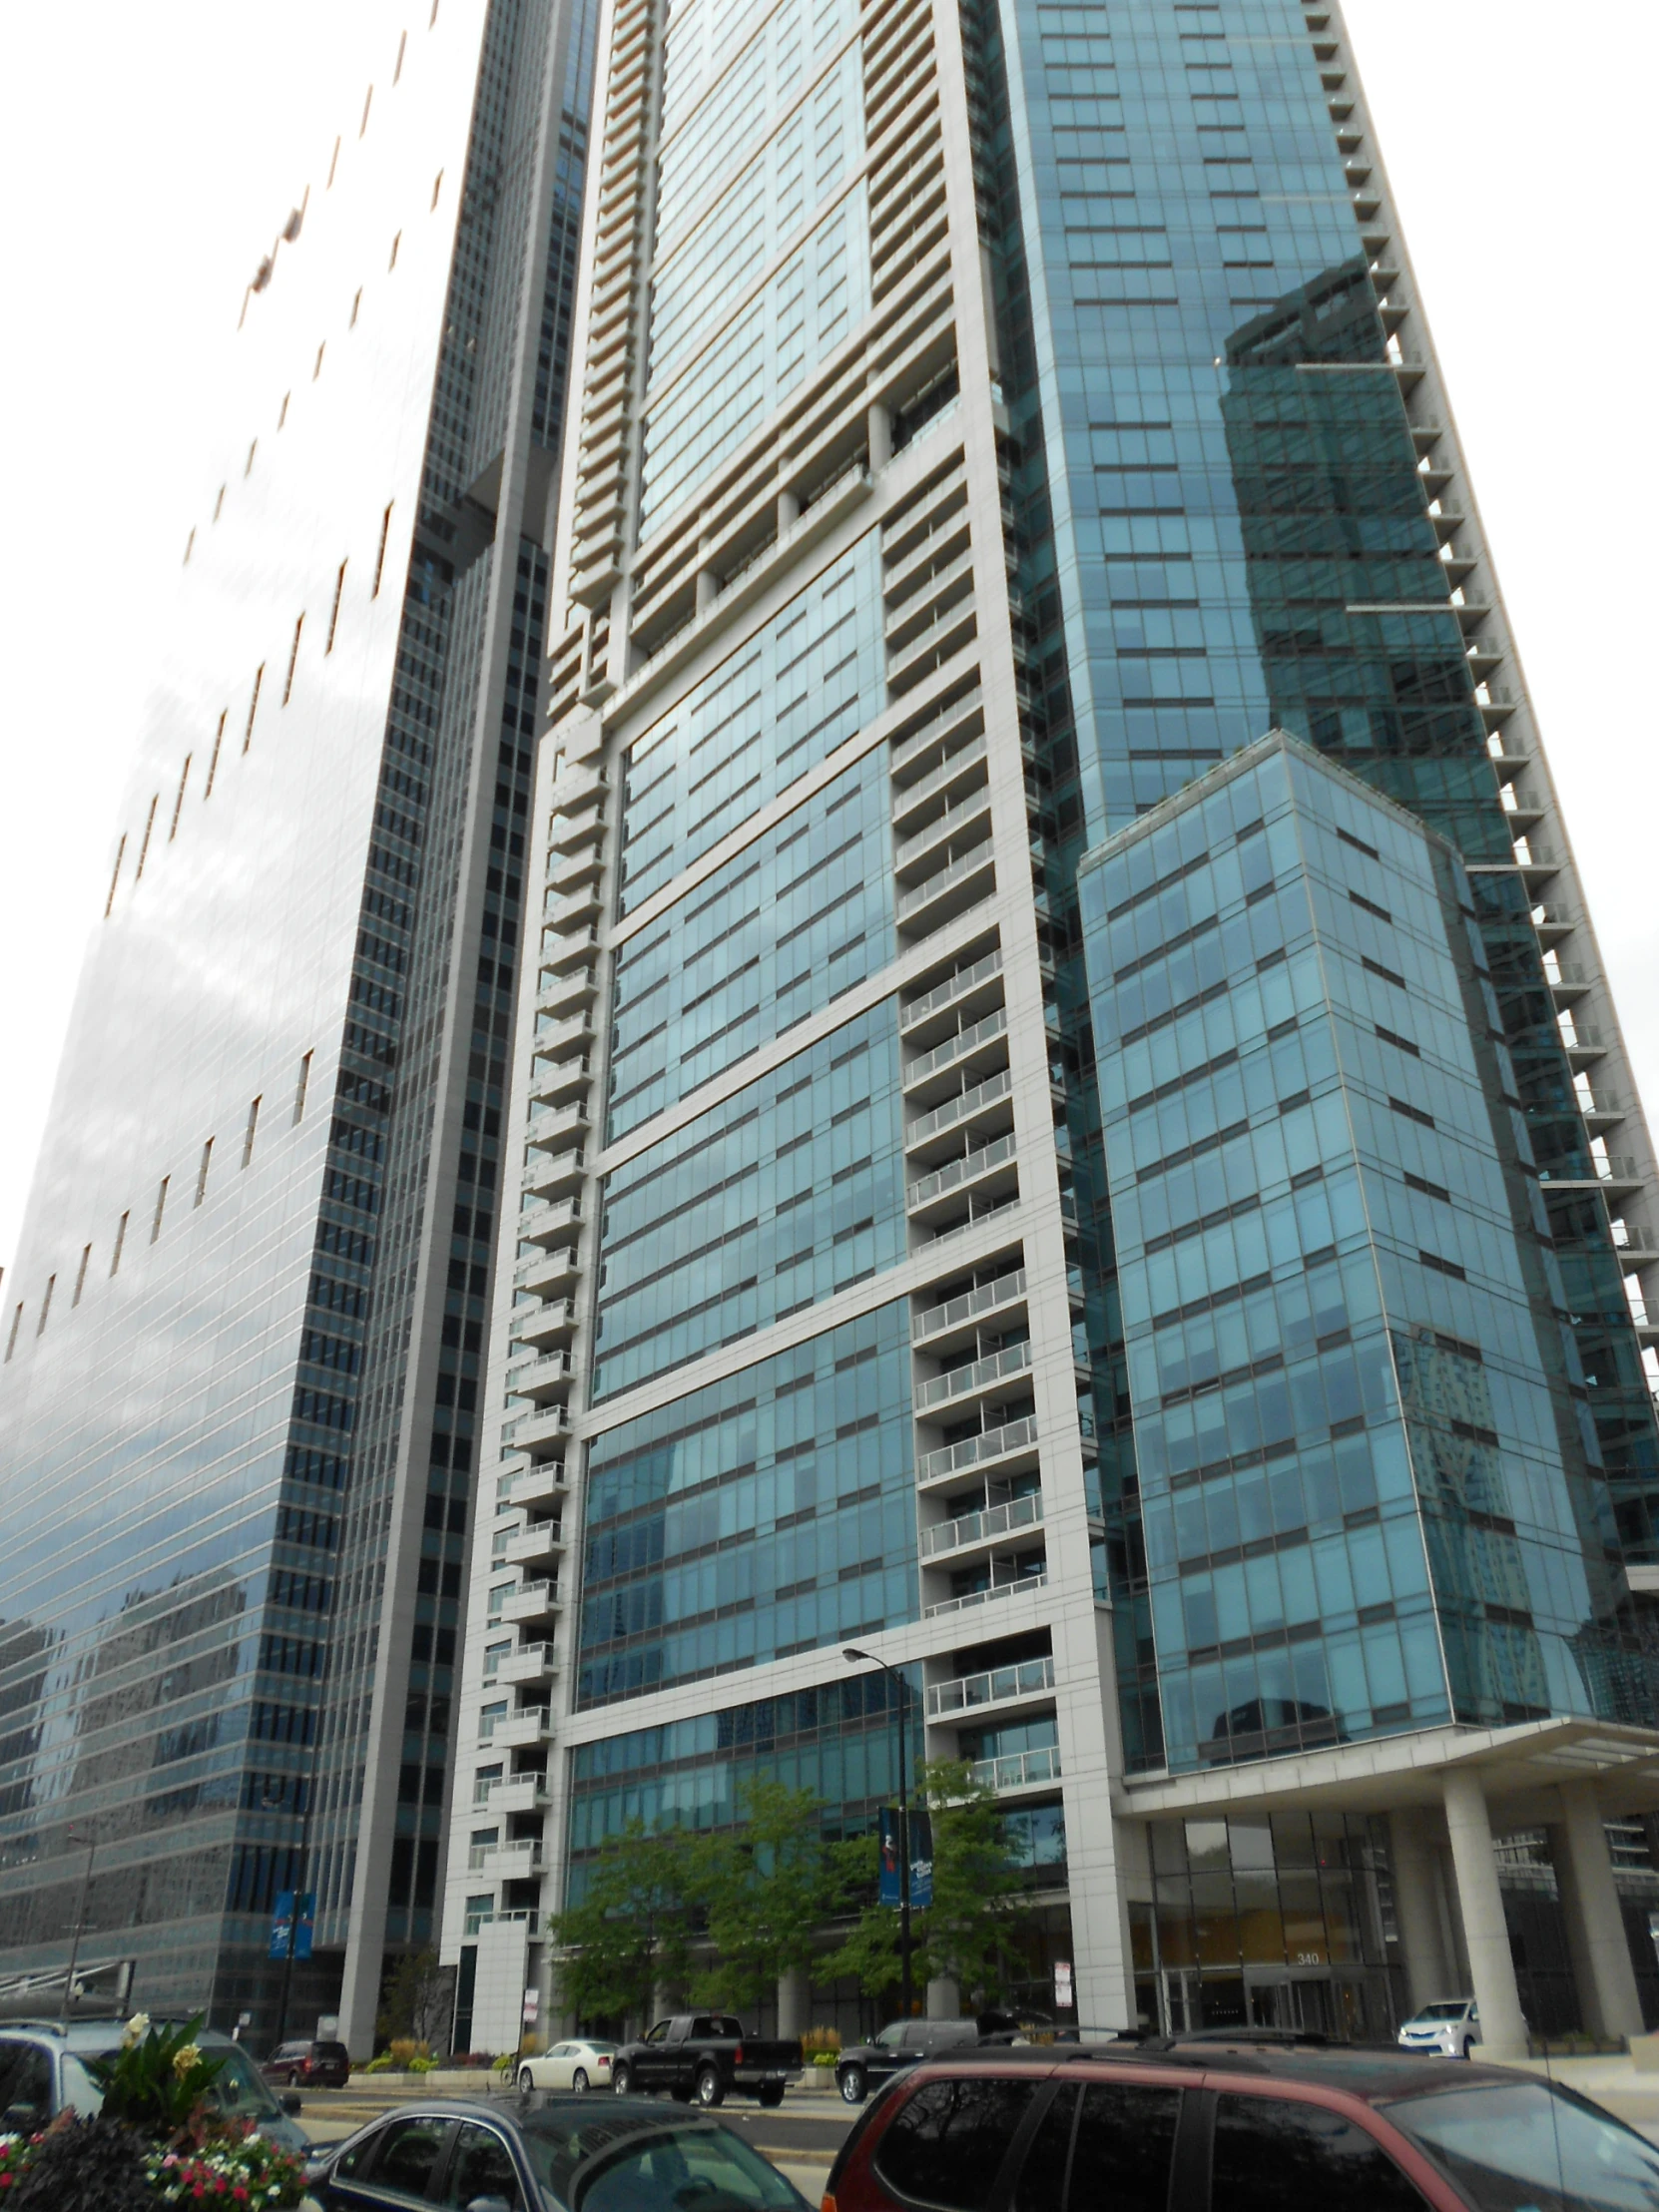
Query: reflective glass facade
(238, 1391)
(1370, 1487)
(1230, 489)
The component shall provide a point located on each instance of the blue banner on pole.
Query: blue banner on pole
(291, 1933)
(921, 1859)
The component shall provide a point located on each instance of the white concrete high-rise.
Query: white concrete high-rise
(985, 422)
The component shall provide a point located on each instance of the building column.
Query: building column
(881, 436)
(1601, 1963)
(944, 1998)
(794, 2002)
(1416, 1908)
(1481, 1906)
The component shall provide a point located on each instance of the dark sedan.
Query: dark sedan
(547, 2154)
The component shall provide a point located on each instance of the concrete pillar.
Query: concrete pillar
(788, 510)
(1601, 1961)
(794, 2002)
(1481, 1906)
(881, 436)
(944, 1998)
(708, 588)
(1416, 1908)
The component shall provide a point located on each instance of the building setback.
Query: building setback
(247, 1323)
(987, 422)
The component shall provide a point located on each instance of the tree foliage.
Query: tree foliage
(630, 1932)
(972, 1930)
(766, 1887)
(415, 2002)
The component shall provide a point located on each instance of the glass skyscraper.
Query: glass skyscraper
(986, 422)
(244, 1333)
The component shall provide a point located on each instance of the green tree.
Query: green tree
(973, 1928)
(415, 2002)
(630, 1932)
(766, 1886)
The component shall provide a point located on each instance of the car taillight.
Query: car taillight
(829, 2204)
(737, 2056)
(603, 2060)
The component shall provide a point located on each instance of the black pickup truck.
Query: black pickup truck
(705, 2056)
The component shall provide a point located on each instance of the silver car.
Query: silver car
(1449, 2029)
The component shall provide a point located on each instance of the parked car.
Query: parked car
(309, 2065)
(577, 2066)
(1246, 2127)
(861, 2068)
(43, 2072)
(706, 2055)
(1450, 2029)
(554, 2155)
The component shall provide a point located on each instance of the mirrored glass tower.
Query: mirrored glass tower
(245, 1333)
(985, 421)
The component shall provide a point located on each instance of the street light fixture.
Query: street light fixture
(851, 1653)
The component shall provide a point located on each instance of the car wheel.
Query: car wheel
(622, 2079)
(526, 2082)
(853, 2085)
(771, 2094)
(711, 2091)
(579, 2082)
(1468, 2045)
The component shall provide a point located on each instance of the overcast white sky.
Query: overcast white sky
(148, 155)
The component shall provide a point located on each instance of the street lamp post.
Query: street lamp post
(90, 1843)
(852, 1652)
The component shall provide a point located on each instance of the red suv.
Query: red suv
(309, 2065)
(1234, 2129)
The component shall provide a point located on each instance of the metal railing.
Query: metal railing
(966, 1693)
(986, 1299)
(986, 1596)
(939, 1390)
(983, 1526)
(956, 1109)
(995, 1024)
(973, 1452)
(987, 1156)
(1017, 1770)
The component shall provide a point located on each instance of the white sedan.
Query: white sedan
(575, 2065)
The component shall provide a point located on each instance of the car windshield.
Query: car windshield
(622, 2161)
(238, 2091)
(1450, 2011)
(1526, 2144)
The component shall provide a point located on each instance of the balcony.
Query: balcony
(573, 909)
(525, 1730)
(1635, 1247)
(991, 1448)
(962, 1175)
(541, 1483)
(999, 1686)
(951, 892)
(996, 1592)
(570, 950)
(530, 1666)
(936, 1323)
(962, 1112)
(547, 1377)
(551, 1224)
(512, 1793)
(912, 854)
(960, 1051)
(1018, 1770)
(548, 1273)
(565, 1125)
(949, 780)
(576, 1033)
(514, 1862)
(552, 1173)
(1581, 1042)
(545, 1425)
(555, 1323)
(963, 984)
(531, 1601)
(541, 1544)
(565, 994)
(1617, 1172)
(563, 1079)
(962, 1385)
(992, 1523)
